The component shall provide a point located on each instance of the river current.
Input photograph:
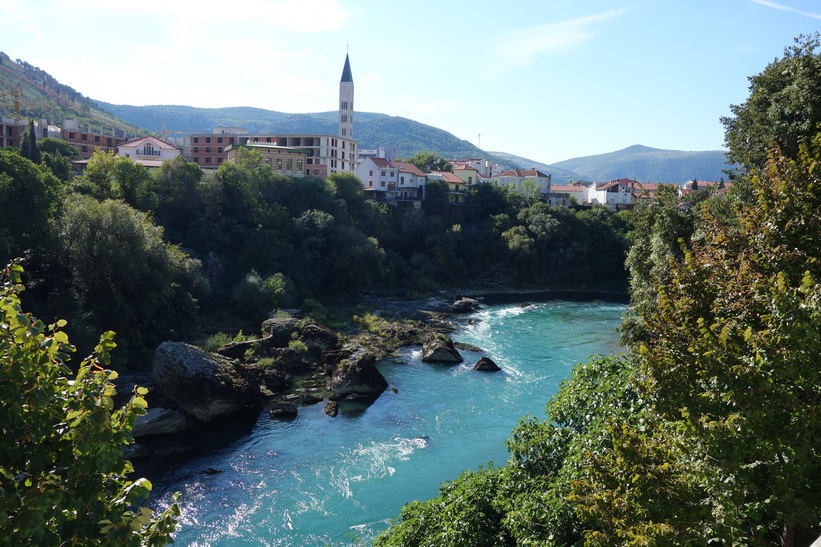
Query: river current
(320, 481)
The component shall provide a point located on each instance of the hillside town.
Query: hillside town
(385, 178)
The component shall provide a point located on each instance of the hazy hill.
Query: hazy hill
(647, 164)
(41, 96)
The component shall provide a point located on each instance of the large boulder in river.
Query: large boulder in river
(439, 348)
(357, 375)
(206, 385)
(486, 364)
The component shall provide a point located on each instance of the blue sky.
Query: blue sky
(548, 80)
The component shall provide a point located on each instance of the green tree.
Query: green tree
(784, 106)
(112, 269)
(63, 479)
(53, 146)
(108, 176)
(744, 381)
(661, 231)
(427, 161)
(28, 200)
(28, 144)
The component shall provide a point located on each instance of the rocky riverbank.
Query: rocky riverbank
(195, 394)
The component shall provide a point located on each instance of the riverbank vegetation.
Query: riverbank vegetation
(177, 254)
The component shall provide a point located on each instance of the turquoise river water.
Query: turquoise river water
(319, 481)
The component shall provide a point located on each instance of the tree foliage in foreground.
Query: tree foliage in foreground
(709, 433)
(62, 473)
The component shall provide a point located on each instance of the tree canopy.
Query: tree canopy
(783, 108)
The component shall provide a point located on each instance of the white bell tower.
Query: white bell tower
(346, 101)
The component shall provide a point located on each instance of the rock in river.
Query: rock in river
(205, 385)
(357, 375)
(439, 348)
(486, 364)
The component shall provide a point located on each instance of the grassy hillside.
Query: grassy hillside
(41, 96)
(647, 164)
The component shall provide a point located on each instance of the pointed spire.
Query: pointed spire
(346, 72)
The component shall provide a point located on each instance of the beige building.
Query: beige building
(148, 151)
(281, 159)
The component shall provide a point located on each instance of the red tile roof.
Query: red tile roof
(382, 163)
(405, 167)
(448, 177)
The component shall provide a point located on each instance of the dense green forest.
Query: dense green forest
(707, 431)
(174, 253)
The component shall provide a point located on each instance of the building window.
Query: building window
(370, 183)
(289, 165)
(148, 149)
(219, 140)
(196, 140)
(383, 173)
(279, 164)
(370, 173)
(299, 165)
(207, 160)
(96, 138)
(84, 136)
(207, 140)
(71, 134)
(383, 183)
(344, 132)
(219, 150)
(196, 150)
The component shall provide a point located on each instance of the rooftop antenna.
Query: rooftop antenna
(480, 141)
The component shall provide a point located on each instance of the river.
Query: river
(319, 481)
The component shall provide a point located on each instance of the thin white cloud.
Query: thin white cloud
(523, 46)
(782, 7)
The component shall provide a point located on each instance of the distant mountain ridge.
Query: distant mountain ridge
(41, 96)
(647, 164)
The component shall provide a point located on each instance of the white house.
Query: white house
(391, 180)
(616, 194)
(148, 151)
